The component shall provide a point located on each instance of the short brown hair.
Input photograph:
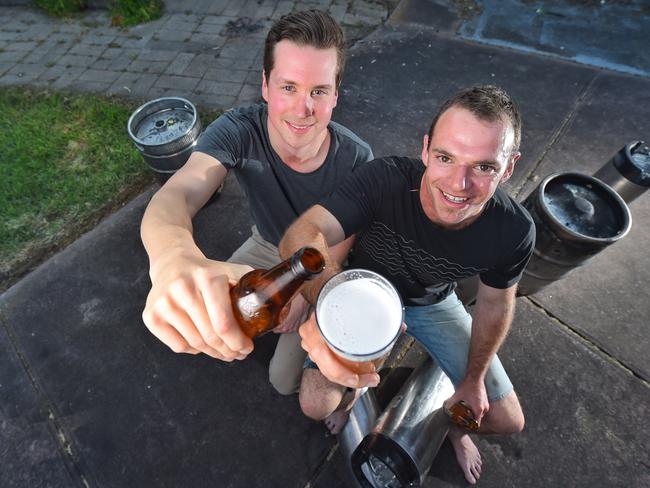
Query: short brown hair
(313, 28)
(487, 102)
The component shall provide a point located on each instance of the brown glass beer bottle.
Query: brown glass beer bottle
(260, 295)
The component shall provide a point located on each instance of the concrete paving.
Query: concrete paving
(89, 398)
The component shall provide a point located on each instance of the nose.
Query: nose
(460, 178)
(305, 105)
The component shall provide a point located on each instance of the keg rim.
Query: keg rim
(143, 111)
(626, 224)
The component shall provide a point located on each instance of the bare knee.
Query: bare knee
(318, 397)
(506, 416)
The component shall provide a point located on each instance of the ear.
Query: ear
(425, 150)
(511, 166)
(336, 97)
(265, 87)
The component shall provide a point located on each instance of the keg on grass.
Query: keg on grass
(576, 216)
(628, 172)
(401, 447)
(165, 131)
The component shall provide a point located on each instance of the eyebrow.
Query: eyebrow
(286, 81)
(491, 162)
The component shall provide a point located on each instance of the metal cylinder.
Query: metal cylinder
(399, 450)
(165, 131)
(628, 171)
(363, 417)
(576, 216)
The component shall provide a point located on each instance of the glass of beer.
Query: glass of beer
(359, 314)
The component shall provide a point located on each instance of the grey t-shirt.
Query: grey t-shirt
(277, 195)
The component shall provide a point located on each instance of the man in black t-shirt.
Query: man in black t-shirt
(424, 224)
(287, 154)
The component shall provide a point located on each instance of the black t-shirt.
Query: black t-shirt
(381, 203)
(277, 195)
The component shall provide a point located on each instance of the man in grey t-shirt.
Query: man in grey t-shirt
(287, 154)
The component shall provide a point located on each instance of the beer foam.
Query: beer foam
(359, 317)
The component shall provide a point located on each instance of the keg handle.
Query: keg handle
(462, 415)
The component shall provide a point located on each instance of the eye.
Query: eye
(444, 159)
(486, 168)
(288, 88)
(318, 92)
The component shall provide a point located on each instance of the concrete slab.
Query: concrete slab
(31, 454)
(602, 300)
(134, 413)
(612, 34)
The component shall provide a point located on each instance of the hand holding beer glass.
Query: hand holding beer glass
(359, 314)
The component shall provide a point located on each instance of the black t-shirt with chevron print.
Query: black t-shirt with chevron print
(380, 203)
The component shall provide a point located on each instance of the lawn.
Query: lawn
(66, 161)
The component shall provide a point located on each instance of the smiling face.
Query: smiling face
(466, 159)
(301, 94)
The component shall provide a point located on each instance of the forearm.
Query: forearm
(166, 229)
(490, 326)
(312, 230)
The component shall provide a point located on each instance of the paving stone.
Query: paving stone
(205, 42)
(134, 41)
(6, 66)
(52, 73)
(8, 56)
(36, 32)
(68, 76)
(156, 67)
(179, 64)
(84, 49)
(183, 83)
(231, 75)
(155, 55)
(22, 46)
(218, 88)
(217, 7)
(234, 48)
(133, 84)
(89, 86)
(175, 23)
(199, 65)
(255, 10)
(174, 35)
(338, 12)
(233, 8)
(97, 75)
(100, 40)
(214, 102)
(47, 53)
(283, 7)
(76, 60)
(215, 20)
(22, 74)
(249, 94)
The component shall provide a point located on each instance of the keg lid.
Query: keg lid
(633, 162)
(585, 207)
(162, 121)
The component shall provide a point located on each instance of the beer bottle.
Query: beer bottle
(260, 295)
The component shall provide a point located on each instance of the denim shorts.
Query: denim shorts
(444, 330)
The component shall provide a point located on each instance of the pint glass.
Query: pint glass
(359, 314)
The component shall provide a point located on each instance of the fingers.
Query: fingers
(327, 362)
(226, 335)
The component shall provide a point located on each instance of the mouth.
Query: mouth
(454, 199)
(299, 128)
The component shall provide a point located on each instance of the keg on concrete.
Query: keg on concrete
(165, 132)
(576, 216)
(628, 172)
(401, 447)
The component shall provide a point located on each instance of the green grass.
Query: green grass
(65, 160)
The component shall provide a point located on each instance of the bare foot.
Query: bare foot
(337, 420)
(467, 454)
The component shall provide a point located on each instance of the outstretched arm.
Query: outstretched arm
(188, 306)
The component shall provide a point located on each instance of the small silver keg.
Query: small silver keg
(165, 131)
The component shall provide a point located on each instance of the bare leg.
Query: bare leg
(504, 417)
(321, 399)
